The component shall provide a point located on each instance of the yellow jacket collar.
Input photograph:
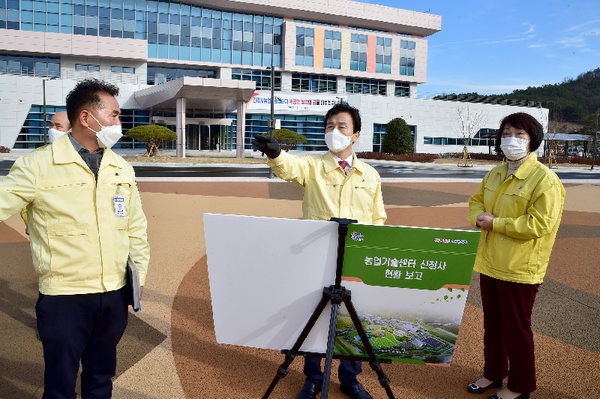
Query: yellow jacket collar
(63, 152)
(525, 169)
(332, 164)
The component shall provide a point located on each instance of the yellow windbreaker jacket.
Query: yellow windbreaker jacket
(527, 209)
(78, 244)
(328, 192)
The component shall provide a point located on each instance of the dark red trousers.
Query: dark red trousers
(508, 337)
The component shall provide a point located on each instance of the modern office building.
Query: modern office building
(203, 67)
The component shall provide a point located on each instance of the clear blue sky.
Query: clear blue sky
(497, 46)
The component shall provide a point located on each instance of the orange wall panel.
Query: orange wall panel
(319, 47)
(371, 46)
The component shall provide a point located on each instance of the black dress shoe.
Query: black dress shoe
(355, 391)
(474, 388)
(309, 391)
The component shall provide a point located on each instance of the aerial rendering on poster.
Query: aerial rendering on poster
(410, 338)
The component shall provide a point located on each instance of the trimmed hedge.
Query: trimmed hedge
(428, 158)
(410, 157)
(485, 157)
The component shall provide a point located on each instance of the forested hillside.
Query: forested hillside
(573, 100)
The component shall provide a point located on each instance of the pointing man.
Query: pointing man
(338, 185)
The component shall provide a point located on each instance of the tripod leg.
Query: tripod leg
(384, 381)
(281, 372)
(329, 354)
(291, 354)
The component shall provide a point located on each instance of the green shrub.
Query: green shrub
(397, 138)
(288, 139)
(152, 136)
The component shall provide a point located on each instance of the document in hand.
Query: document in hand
(133, 280)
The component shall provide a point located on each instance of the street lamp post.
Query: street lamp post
(44, 107)
(595, 146)
(272, 120)
(45, 116)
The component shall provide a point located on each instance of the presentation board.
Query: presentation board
(409, 285)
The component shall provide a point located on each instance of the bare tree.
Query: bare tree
(469, 122)
(550, 138)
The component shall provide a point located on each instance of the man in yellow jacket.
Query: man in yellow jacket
(80, 241)
(335, 185)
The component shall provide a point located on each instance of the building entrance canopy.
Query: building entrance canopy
(199, 94)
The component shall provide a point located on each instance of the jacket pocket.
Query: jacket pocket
(514, 202)
(70, 247)
(511, 255)
(363, 199)
(122, 240)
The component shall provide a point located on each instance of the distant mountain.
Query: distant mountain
(573, 100)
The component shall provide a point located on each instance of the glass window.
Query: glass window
(3, 64)
(407, 57)
(402, 89)
(139, 18)
(261, 77)
(41, 68)
(26, 16)
(314, 83)
(366, 86)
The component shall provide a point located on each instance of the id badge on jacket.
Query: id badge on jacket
(119, 202)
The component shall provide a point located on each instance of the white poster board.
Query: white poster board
(409, 285)
(266, 278)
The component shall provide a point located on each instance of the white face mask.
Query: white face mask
(108, 135)
(337, 141)
(514, 148)
(53, 134)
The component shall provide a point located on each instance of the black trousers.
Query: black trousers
(347, 371)
(84, 328)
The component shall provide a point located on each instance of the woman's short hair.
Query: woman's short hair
(521, 120)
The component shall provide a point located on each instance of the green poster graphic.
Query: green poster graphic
(409, 286)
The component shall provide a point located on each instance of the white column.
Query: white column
(180, 145)
(240, 127)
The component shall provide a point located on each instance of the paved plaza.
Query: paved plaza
(169, 350)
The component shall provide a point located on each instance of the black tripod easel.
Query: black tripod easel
(336, 294)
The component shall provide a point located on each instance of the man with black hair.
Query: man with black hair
(80, 241)
(338, 185)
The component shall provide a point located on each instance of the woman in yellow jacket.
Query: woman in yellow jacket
(518, 207)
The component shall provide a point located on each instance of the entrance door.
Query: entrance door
(210, 136)
(192, 141)
(205, 137)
